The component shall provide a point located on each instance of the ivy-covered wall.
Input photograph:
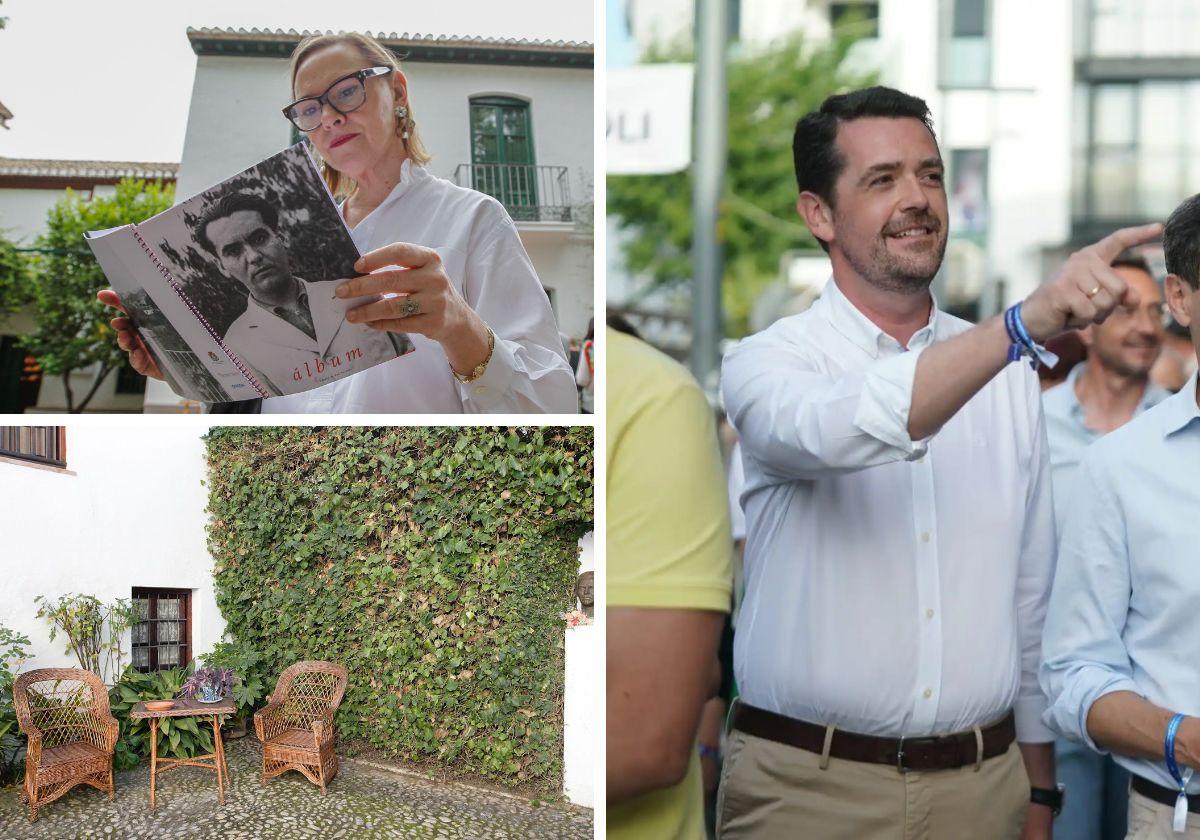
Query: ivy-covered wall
(434, 563)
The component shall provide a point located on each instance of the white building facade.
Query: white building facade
(115, 512)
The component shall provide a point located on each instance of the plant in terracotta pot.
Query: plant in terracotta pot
(208, 685)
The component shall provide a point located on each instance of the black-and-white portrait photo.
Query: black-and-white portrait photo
(258, 258)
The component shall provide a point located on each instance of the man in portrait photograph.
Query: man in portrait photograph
(287, 322)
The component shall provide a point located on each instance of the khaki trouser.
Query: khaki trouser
(1150, 820)
(770, 790)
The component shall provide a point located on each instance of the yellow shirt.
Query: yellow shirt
(668, 540)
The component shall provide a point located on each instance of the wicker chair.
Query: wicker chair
(64, 713)
(296, 726)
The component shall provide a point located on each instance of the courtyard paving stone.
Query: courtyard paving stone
(363, 802)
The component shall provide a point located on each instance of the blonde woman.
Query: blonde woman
(467, 293)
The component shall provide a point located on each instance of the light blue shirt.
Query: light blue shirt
(1067, 429)
(1124, 612)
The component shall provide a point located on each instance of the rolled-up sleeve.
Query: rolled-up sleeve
(803, 423)
(1084, 655)
(528, 371)
(1035, 574)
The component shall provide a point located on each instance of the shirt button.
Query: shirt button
(928, 693)
(924, 536)
(929, 613)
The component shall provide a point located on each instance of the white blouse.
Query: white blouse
(485, 260)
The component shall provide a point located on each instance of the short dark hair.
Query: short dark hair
(814, 143)
(1132, 259)
(227, 206)
(1181, 242)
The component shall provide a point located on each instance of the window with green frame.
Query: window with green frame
(502, 159)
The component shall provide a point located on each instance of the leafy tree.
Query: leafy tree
(16, 288)
(72, 326)
(769, 90)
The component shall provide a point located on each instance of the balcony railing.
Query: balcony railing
(528, 193)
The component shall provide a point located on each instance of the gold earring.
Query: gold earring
(402, 120)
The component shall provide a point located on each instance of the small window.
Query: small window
(129, 381)
(162, 637)
(966, 48)
(863, 16)
(40, 444)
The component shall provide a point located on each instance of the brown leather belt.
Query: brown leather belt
(1163, 795)
(941, 752)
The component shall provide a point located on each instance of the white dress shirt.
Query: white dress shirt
(893, 587)
(1123, 616)
(485, 260)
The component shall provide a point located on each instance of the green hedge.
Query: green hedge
(434, 563)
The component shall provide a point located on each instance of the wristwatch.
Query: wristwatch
(478, 370)
(1052, 798)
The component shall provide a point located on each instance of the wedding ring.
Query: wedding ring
(411, 307)
(1094, 291)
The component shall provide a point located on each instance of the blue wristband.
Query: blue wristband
(1169, 749)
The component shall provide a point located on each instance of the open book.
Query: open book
(232, 291)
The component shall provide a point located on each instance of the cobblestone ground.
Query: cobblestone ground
(363, 802)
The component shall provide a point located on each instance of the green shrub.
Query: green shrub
(434, 563)
(14, 651)
(252, 682)
(183, 737)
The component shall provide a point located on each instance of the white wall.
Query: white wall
(128, 511)
(582, 713)
(23, 212)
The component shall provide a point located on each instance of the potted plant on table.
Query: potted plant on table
(250, 679)
(208, 685)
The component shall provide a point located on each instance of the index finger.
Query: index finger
(1111, 246)
(398, 253)
(109, 298)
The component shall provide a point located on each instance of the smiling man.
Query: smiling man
(281, 330)
(900, 529)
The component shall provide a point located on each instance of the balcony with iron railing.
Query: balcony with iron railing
(529, 193)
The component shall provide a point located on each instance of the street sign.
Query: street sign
(649, 119)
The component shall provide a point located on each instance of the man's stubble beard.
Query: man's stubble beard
(884, 270)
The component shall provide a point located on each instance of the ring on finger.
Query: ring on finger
(1094, 291)
(410, 307)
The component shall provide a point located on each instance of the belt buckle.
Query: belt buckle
(927, 739)
(900, 768)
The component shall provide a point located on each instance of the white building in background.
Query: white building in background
(540, 165)
(28, 189)
(114, 512)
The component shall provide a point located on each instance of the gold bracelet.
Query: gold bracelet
(478, 370)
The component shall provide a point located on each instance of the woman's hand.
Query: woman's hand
(427, 302)
(128, 339)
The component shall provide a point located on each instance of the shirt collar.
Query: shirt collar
(1179, 410)
(862, 331)
(1152, 395)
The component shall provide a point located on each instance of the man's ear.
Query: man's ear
(817, 214)
(1179, 294)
